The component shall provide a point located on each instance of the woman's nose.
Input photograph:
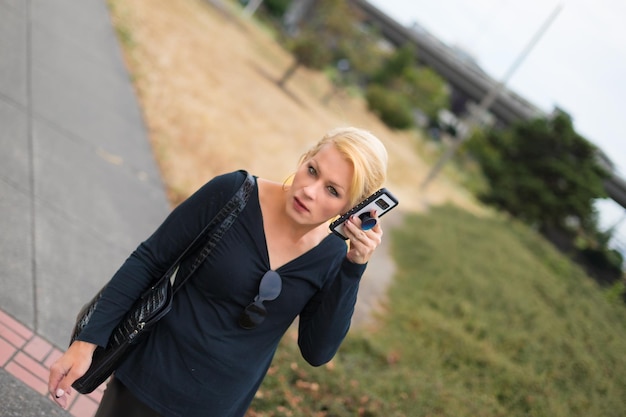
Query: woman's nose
(310, 190)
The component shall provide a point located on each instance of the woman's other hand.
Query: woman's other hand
(67, 369)
(362, 243)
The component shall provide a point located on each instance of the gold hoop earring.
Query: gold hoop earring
(288, 181)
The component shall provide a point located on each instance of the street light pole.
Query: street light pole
(491, 97)
(488, 100)
(251, 7)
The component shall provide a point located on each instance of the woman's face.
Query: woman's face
(320, 188)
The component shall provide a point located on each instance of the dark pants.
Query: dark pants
(119, 401)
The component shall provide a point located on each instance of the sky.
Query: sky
(578, 64)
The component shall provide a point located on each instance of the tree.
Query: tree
(542, 172)
(314, 44)
(421, 87)
(392, 68)
(307, 51)
(424, 89)
(391, 107)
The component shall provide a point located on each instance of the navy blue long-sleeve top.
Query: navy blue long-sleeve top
(198, 361)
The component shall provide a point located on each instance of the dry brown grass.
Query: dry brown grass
(206, 80)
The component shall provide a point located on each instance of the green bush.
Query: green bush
(542, 172)
(309, 51)
(392, 108)
(276, 7)
(603, 264)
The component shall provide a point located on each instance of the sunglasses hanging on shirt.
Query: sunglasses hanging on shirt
(269, 289)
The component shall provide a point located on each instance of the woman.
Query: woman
(206, 358)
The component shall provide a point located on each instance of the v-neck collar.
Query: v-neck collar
(261, 225)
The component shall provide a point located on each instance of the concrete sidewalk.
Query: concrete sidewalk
(79, 188)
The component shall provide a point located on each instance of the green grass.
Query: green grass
(119, 15)
(485, 319)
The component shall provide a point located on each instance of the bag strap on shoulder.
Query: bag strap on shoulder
(212, 232)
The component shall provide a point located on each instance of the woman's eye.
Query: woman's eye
(333, 191)
(312, 170)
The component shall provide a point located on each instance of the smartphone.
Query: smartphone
(381, 202)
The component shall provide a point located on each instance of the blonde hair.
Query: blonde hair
(364, 151)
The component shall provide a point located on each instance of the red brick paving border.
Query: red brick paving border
(28, 357)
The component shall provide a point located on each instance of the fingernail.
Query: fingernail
(59, 393)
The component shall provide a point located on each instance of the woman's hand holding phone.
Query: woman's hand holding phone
(363, 243)
(361, 226)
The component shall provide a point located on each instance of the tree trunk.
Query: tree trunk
(287, 75)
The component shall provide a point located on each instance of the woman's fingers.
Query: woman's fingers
(362, 243)
(67, 369)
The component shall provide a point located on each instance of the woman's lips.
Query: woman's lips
(299, 205)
